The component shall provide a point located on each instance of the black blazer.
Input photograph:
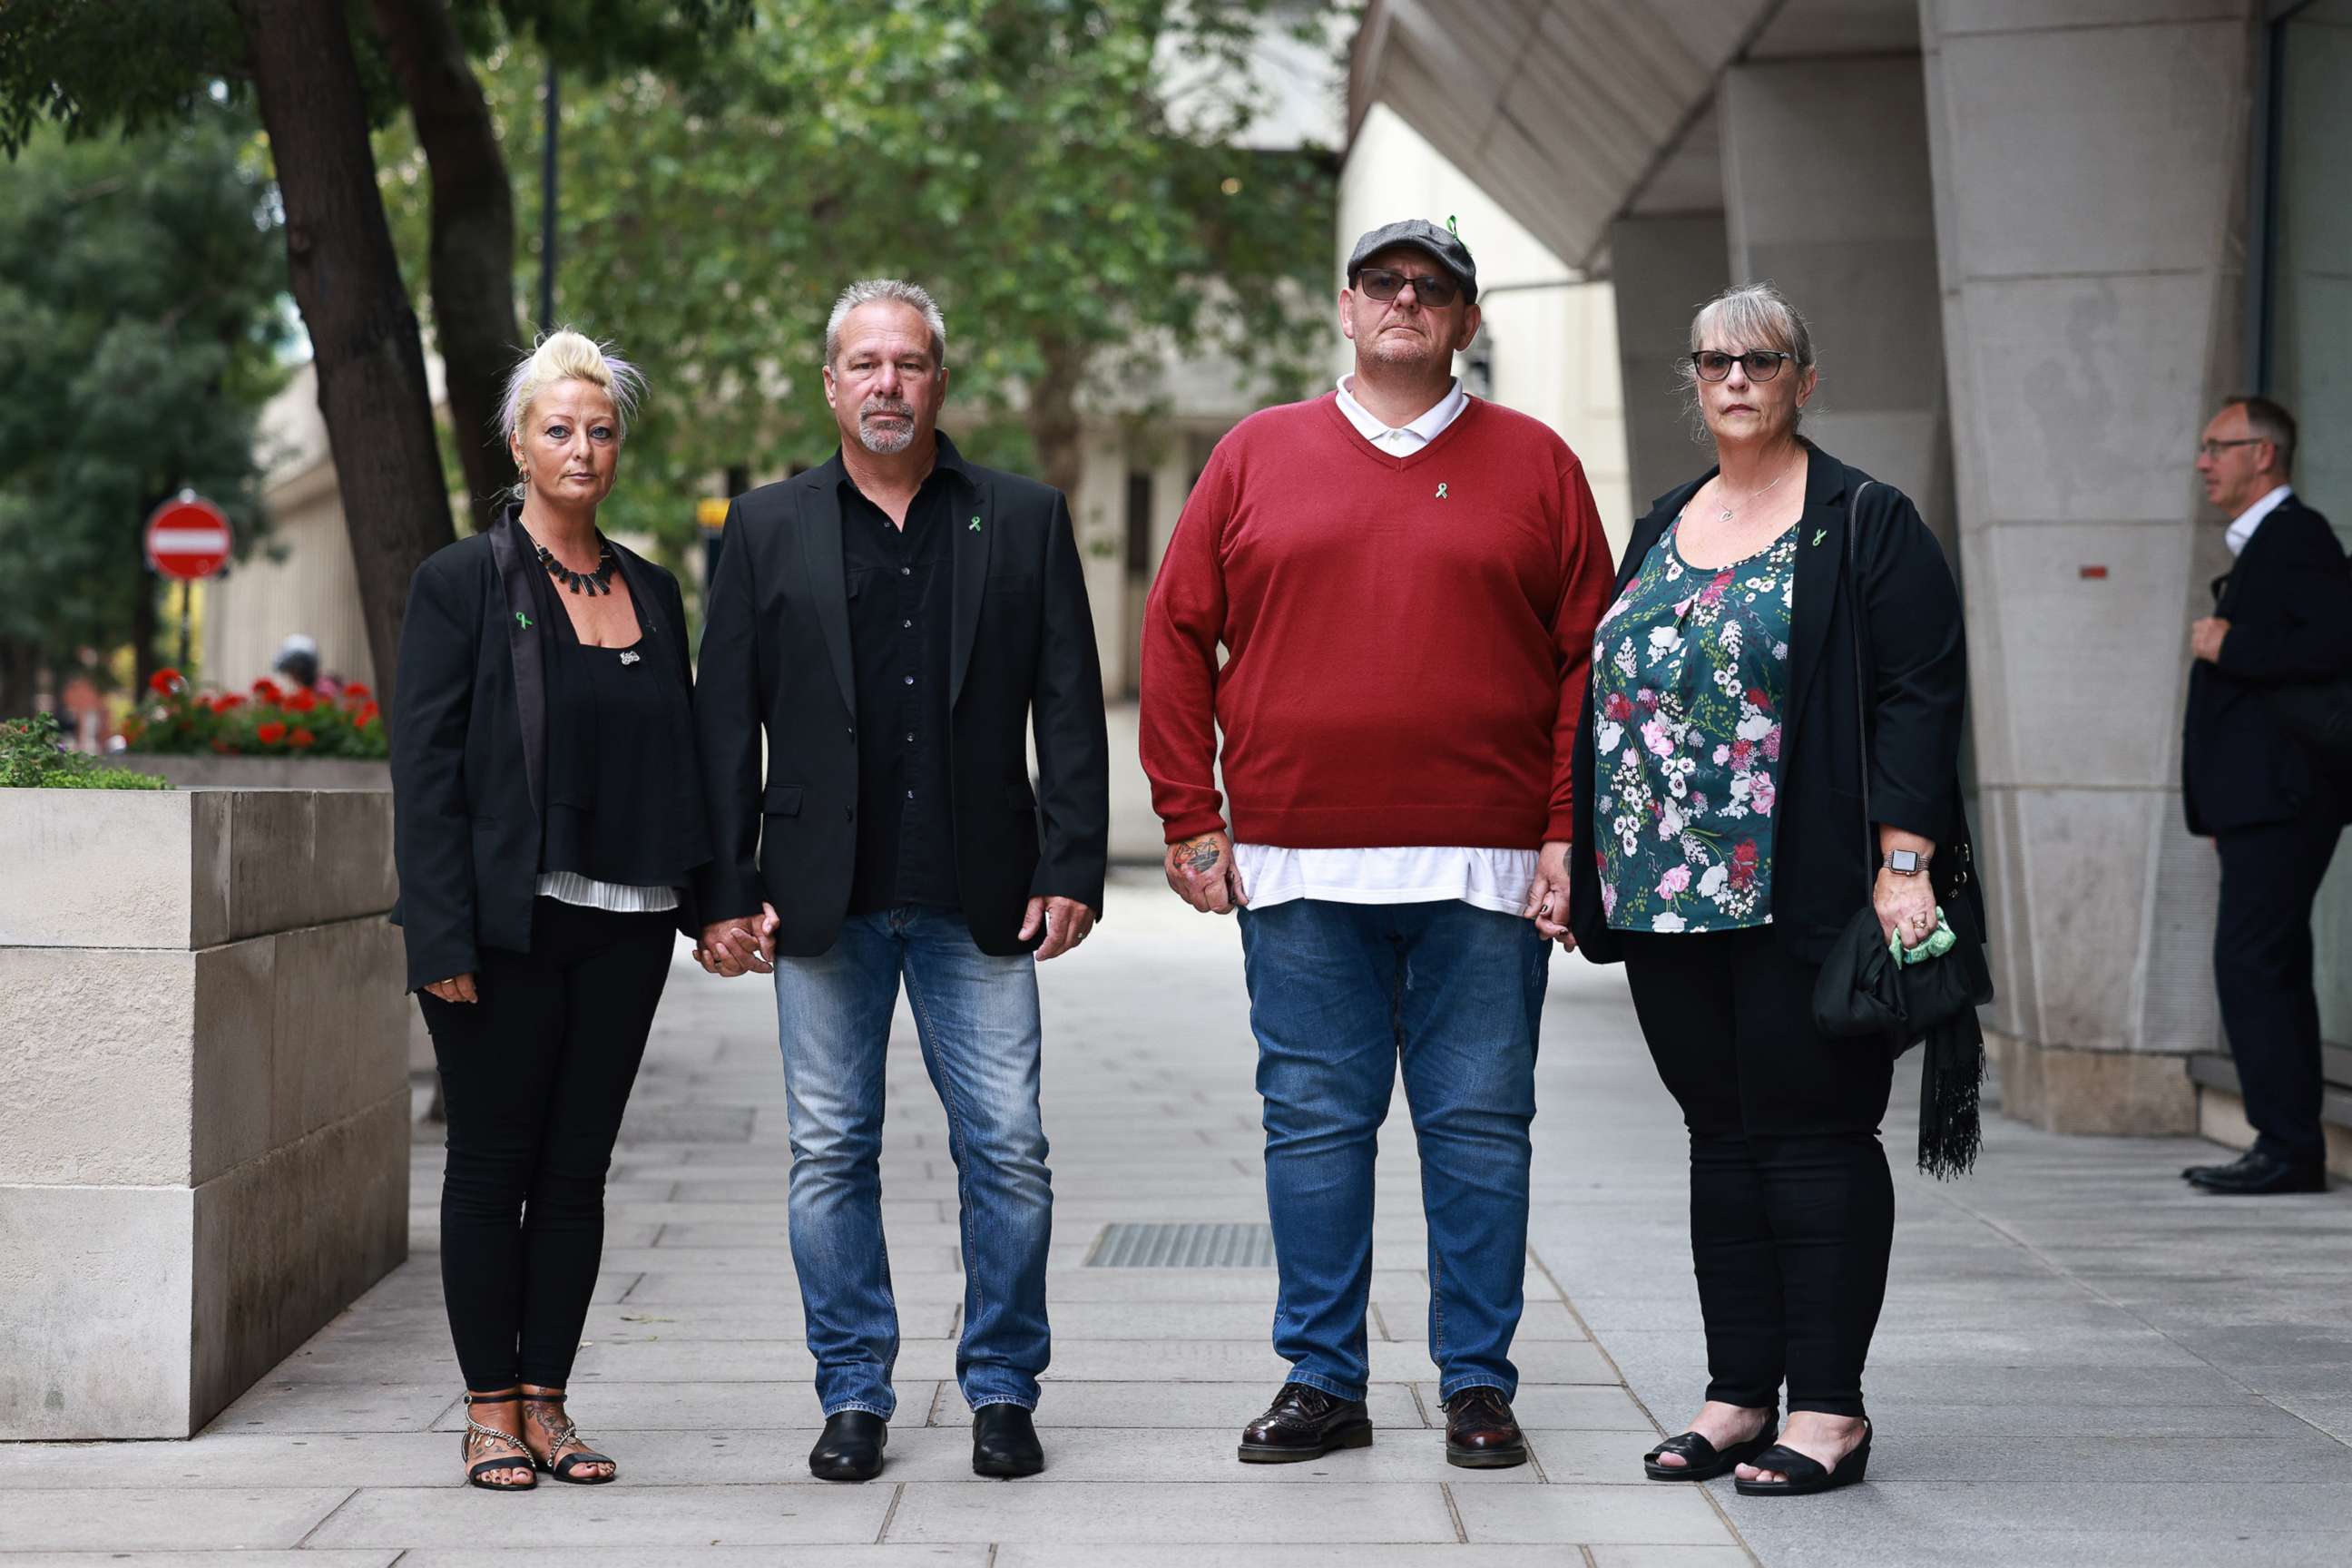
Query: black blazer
(469, 745)
(2288, 600)
(775, 655)
(1824, 855)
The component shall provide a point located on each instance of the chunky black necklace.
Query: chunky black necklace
(600, 580)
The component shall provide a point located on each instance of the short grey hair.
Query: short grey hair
(893, 291)
(1755, 315)
(2269, 421)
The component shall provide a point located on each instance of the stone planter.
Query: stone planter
(206, 770)
(204, 1097)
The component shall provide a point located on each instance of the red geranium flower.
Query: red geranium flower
(302, 699)
(270, 733)
(357, 691)
(227, 702)
(300, 738)
(268, 690)
(164, 682)
(366, 715)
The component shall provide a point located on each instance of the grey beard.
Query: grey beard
(886, 443)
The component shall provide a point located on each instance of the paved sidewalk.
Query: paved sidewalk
(2080, 1362)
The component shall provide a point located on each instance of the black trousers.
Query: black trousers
(1791, 1208)
(2262, 970)
(535, 1076)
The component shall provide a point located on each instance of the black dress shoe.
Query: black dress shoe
(2259, 1175)
(1305, 1423)
(1481, 1433)
(850, 1449)
(2198, 1173)
(1005, 1442)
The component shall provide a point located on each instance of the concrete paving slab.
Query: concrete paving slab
(243, 1559)
(671, 1517)
(1586, 1515)
(75, 1519)
(1136, 1513)
(1226, 1407)
(769, 1556)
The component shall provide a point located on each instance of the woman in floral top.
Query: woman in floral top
(1689, 671)
(1724, 843)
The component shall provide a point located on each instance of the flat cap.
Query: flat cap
(1442, 246)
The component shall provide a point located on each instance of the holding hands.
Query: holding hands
(746, 944)
(1548, 896)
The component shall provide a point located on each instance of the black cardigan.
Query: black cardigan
(469, 745)
(1824, 856)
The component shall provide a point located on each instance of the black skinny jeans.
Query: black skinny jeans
(1793, 1210)
(535, 1076)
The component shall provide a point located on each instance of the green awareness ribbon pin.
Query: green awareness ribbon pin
(1441, 492)
(975, 525)
(522, 620)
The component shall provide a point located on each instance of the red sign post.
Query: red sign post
(187, 538)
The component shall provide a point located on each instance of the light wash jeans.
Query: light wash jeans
(1339, 995)
(977, 1018)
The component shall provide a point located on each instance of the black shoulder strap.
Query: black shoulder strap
(1856, 608)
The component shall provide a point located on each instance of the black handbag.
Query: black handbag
(2319, 714)
(1863, 989)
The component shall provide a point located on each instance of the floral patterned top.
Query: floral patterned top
(1690, 668)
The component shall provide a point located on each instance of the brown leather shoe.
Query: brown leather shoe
(1481, 1433)
(1305, 1423)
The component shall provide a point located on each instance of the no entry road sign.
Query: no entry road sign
(187, 538)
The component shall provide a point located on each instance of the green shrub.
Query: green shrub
(29, 759)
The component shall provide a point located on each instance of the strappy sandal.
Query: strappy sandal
(478, 1471)
(1702, 1461)
(560, 1438)
(1806, 1474)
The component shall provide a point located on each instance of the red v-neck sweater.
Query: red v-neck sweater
(1406, 639)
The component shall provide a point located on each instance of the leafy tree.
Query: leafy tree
(139, 324)
(1023, 158)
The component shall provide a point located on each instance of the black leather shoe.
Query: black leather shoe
(2259, 1175)
(1481, 1433)
(850, 1449)
(1005, 1442)
(1305, 1423)
(2198, 1173)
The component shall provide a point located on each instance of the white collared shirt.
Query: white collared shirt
(2242, 527)
(1493, 879)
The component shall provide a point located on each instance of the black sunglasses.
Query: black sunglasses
(1427, 287)
(1714, 364)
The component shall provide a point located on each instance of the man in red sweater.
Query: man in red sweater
(1404, 581)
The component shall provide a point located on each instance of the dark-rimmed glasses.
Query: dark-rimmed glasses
(1380, 283)
(1762, 365)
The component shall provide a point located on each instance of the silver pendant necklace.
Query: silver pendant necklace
(1725, 510)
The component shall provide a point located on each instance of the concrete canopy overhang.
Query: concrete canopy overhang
(1572, 113)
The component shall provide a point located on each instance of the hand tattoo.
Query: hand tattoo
(1199, 856)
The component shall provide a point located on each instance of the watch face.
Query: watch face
(1906, 861)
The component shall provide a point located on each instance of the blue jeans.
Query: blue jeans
(977, 1018)
(1339, 995)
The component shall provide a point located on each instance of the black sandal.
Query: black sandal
(1702, 1461)
(563, 1437)
(520, 1459)
(1807, 1475)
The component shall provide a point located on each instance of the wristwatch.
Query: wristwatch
(1904, 862)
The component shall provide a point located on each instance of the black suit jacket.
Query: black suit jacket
(469, 745)
(776, 656)
(2288, 600)
(1824, 854)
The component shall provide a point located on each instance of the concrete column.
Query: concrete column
(1663, 270)
(2088, 189)
(1826, 193)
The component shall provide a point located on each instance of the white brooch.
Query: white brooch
(631, 657)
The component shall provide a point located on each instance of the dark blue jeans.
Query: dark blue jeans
(1339, 995)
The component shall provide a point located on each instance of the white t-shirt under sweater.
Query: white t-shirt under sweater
(1494, 880)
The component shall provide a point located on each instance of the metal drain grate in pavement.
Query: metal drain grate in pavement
(1183, 1246)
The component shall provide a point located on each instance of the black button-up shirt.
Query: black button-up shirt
(900, 592)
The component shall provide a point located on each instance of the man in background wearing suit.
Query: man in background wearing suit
(895, 621)
(2283, 616)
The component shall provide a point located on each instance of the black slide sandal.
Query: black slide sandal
(1806, 1475)
(1703, 1461)
(520, 1459)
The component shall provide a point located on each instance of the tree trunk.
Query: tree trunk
(20, 666)
(1053, 415)
(473, 233)
(372, 388)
